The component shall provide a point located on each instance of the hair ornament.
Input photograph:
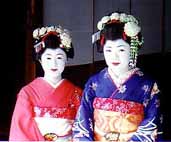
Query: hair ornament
(64, 34)
(131, 29)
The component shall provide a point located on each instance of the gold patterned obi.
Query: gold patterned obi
(116, 120)
(56, 138)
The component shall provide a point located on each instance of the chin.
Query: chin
(114, 68)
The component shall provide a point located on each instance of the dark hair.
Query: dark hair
(113, 31)
(52, 41)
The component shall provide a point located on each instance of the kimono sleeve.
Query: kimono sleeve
(76, 98)
(23, 126)
(150, 128)
(83, 125)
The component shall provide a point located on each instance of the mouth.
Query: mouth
(115, 63)
(54, 70)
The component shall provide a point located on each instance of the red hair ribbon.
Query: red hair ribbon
(113, 21)
(102, 39)
(51, 32)
(124, 36)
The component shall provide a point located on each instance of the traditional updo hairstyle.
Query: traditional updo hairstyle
(51, 39)
(119, 26)
(114, 31)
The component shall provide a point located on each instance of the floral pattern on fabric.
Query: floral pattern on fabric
(52, 112)
(118, 105)
(99, 95)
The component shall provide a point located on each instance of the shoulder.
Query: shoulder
(78, 89)
(70, 84)
(30, 86)
(97, 76)
(76, 94)
(145, 77)
(147, 80)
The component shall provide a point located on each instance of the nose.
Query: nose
(115, 56)
(53, 63)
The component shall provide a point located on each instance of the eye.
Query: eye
(108, 50)
(59, 57)
(122, 50)
(48, 58)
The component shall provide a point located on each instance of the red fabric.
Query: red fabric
(102, 40)
(23, 127)
(118, 105)
(38, 93)
(124, 36)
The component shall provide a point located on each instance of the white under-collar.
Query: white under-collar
(120, 79)
(52, 84)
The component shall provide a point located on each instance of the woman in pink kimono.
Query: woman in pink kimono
(45, 108)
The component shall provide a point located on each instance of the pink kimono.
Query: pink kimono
(45, 113)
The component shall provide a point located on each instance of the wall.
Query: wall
(81, 18)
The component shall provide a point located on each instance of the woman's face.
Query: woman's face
(117, 54)
(53, 62)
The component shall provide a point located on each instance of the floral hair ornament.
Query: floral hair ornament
(40, 33)
(131, 29)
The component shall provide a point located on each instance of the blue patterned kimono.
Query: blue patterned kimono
(129, 112)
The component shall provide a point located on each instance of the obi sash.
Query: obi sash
(116, 120)
(55, 122)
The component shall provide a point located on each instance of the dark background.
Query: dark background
(14, 38)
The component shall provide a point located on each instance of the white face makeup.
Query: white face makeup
(53, 63)
(117, 54)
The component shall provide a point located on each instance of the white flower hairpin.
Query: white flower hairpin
(131, 24)
(131, 27)
(62, 33)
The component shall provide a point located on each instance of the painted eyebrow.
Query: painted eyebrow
(60, 54)
(56, 54)
(116, 46)
(120, 45)
(48, 54)
(108, 47)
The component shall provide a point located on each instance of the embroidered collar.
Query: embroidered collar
(121, 79)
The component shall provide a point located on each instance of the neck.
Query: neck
(53, 80)
(122, 77)
(117, 73)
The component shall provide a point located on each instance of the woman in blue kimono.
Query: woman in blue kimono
(119, 103)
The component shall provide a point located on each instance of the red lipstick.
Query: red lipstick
(115, 63)
(54, 70)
